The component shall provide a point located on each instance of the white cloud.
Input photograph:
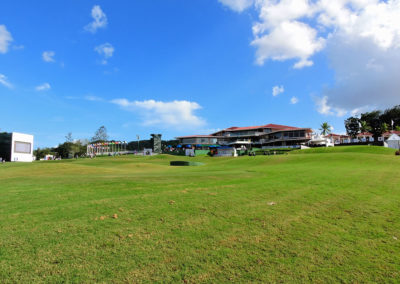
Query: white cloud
(93, 98)
(177, 114)
(294, 100)
(43, 87)
(106, 51)
(323, 107)
(364, 53)
(366, 75)
(361, 38)
(99, 20)
(4, 81)
(71, 97)
(48, 56)
(5, 39)
(280, 35)
(237, 5)
(277, 90)
(297, 29)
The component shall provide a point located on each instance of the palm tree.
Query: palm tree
(364, 127)
(325, 128)
(385, 127)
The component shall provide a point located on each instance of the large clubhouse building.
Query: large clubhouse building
(264, 136)
(274, 136)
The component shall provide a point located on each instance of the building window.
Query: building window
(22, 147)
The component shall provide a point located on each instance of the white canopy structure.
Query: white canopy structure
(393, 141)
(320, 140)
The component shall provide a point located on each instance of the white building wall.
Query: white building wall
(393, 142)
(18, 156)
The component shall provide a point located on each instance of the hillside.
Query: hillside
(328, 217)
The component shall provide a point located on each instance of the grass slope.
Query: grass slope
(348, 149)
(336, 218)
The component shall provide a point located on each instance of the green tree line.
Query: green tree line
(376, 122)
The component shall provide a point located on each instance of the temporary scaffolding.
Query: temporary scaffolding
(107, 148)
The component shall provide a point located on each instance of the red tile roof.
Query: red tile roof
(337, 135)
(388, 133)
(364, 134)
(272, 126)
(197, 136)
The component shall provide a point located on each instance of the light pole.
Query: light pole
(138, 138)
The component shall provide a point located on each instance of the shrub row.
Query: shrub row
(185, 163)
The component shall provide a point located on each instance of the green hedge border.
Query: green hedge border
(184, 163)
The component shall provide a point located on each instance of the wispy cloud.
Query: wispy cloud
(5, 39)
(177, 114)
(48, 56)
(18, 47)
(323, 107)
(237, 5)
(277, 90)
(4, 81)
(294, 100)
(43, 87)
(93, 98)
(106, 51)
(71, 98)
(99, 20)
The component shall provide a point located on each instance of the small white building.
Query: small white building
(393, 142)
(321, 140)
(226, 152)
(16, 147)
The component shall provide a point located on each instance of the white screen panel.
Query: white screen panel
(22, 147)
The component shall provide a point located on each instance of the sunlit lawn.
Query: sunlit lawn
(328, 216)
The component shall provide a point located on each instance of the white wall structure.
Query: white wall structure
(393, 141)
(321, 140)
(225, 152)
(189, 152)
(21, 147)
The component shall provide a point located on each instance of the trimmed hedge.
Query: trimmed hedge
(273, 151)
(184, 163)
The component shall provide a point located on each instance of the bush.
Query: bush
(278, 151)
(185, 163)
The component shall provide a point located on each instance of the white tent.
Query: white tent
(393, 141)
(321, 140)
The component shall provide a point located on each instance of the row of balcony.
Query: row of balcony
(263, 141)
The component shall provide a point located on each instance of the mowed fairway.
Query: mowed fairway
(335, 217)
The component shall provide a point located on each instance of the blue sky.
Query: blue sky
(185, 67)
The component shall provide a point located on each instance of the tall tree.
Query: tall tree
(364, 127)
(100, 134)
(68, 146)
(373, 119)
(391, 114)
(325, 128)
(352, 126)
(68, 137)
(385, 127)
(370, 116)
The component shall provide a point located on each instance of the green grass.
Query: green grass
(348, 149)
(335, 218)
